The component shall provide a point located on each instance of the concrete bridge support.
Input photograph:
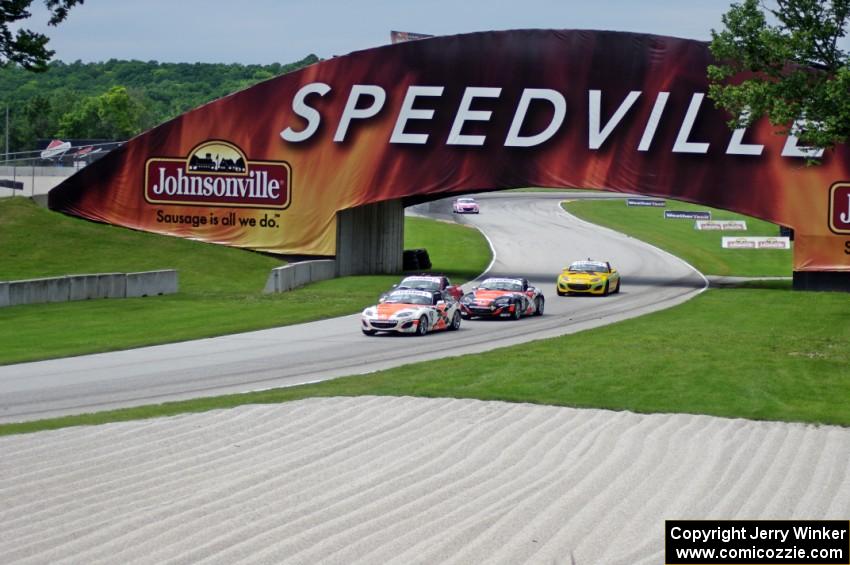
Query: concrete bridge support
(822, 280)
(370, 239)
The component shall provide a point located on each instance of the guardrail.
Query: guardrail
(283, 279)
(85, 287)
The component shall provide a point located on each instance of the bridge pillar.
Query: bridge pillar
(822, 280)
(370, 239)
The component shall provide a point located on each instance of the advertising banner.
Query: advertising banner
(756, 243)
(686, 215)
(721, 225)
(646, 202)
(269, 168)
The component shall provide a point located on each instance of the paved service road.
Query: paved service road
(532, 237)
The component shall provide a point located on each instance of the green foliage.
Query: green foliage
(117, 99)
(789, 71)
(112, 115)
(27, 48)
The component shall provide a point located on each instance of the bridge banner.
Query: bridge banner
(268, 168)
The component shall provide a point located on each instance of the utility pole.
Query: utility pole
(7, 132)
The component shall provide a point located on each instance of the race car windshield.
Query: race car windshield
(428, 284)
(408, 298)
(500, 284)
(466, 201)
(588, 268)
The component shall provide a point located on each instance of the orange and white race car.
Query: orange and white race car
(503, 298)
(429, 281)
(407, 310)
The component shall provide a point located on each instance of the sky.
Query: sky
(283, 31)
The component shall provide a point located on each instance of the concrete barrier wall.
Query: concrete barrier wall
(39, 291)
(86, 287)
(111, 285)
(283, 279)
(151, 283)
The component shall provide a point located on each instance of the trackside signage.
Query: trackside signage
(270, 167)
(646, 202)
(686, 215)
(839, 208)
(756, 243)
(721, 225)
(217, 173)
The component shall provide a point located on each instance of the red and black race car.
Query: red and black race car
(503, 298)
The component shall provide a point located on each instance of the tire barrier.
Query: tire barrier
(416, 260)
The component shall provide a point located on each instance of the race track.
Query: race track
(532, 237)
(408, 480)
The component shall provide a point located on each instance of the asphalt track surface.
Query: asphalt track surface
(531, 236)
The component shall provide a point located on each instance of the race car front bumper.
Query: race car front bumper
(404, 325)
(581, 287)
(477, 311)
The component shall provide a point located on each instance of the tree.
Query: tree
(790, 71)
(28, 48)
(112, 115)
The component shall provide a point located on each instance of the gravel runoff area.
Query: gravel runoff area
(404, 480)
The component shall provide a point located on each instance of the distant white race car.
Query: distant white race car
(465, 206)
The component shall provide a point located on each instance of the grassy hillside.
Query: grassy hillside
(220, 287)
(699, 248)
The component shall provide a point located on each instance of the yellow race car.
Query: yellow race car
(589, 277)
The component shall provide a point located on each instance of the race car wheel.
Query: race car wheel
(617, 290)
(422, 326)
(539, 304)
(369, 332)
(455, 325)
(516, 313)
(605, 291)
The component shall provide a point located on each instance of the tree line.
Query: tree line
(114, 100)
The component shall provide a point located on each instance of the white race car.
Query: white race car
(407, 310)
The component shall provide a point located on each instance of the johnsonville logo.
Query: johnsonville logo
(218, 173)
(839, 207)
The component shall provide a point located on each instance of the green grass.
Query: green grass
(220, 287)
(699, 248)
(749, 353)
(763, 352)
